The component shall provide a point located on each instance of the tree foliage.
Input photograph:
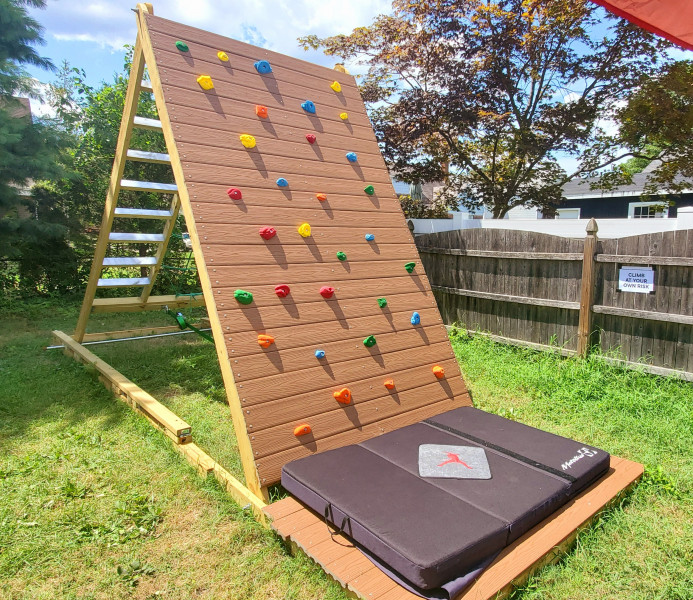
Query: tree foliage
(498, 90)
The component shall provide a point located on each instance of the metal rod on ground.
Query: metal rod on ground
(127, 339)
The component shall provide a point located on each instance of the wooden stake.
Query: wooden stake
(587, 289)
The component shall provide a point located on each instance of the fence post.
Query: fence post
(587, 289)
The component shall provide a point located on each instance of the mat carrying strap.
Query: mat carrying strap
(341, 529)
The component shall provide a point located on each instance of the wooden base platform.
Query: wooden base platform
(305, 530)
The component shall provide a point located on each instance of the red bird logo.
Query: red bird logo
(454, 458)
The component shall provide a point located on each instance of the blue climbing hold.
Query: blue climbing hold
(308, 106)
(263, 67)
(415, 319)
(281, 182)
(319, 354)
(351, 156)
(370, 237)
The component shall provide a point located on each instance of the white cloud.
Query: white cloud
(272, 24)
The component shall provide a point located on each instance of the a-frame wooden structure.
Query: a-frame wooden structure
(309, 275)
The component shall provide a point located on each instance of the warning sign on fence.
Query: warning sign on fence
(636, 279)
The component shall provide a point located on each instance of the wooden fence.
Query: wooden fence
(546, 291)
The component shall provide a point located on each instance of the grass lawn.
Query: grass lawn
(94, 503)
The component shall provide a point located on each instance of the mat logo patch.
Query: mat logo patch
(455, 462)
(581, 453)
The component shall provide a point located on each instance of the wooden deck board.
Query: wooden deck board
(542, 545)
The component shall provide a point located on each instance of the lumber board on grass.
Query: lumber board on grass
(304, 530)
(137, 332)
(136, 304)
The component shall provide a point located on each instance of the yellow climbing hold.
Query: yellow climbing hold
(343, 116)
(205, 82)
(336, 86)
(304, 230)
(222, 56)
(247, 140)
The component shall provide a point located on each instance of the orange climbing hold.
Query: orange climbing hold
(343, 396)
(390, 384)
(261, 111)
(438, 371)
(321, 197)
(302, 429)
(265, 340)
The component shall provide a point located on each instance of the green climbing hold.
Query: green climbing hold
(182, 46)
(369, 189)
(243, 297)
(382, 302)
(341, 256)
(369, 341)
(410, 267)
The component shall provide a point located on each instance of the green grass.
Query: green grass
(94, 503)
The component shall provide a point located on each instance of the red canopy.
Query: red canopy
(672, 19)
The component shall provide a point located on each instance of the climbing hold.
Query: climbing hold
(343, 116)
(282, 290)
(265, 340)
(302, 429)
(205, 82)
(234, 193)
(267, 232)
(370, 237)
(415, 318)
(311, 138)
(410, 266)
(308, 106)
(326, 291)
(438, 371)
(319, 354)
(336, 86)
(343, 396)
(304, 230)
(369, 341)
(341, 256)
(351, 156)
(182, 46)
(382, 302)
(261, 111)
(281, 182)
(390, 384)
(243, 297)
(321, 197)
(369, 189)
(222, 56)
(263, 67)
(247, 140)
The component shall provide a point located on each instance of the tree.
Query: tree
(497, 90)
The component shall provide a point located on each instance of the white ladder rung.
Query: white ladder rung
(146, 86)
(152, 238)
(150, 157)
(148, 186)
(146, 123)
(124, 282)
(142, 213)
(129, 261)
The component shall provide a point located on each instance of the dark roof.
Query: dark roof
(578, 188)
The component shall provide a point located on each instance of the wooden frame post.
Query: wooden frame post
(587, 289)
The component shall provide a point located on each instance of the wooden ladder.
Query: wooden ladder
(112, 211)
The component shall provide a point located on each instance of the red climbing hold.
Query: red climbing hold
(390, 384)
(438, 371)
(326, 291)
(265, 340)
(343, 396)
(267, 232)
(302, 429)
(321, 197)
(311, 138)
(261, 111)
(282, 290)
(234, 193)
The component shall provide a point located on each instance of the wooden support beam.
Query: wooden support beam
(631, 259)
(569, 256)
(508, 298)
(140, 331)
(587, 290)
(135, 303)
(643, 314)
(124, 389)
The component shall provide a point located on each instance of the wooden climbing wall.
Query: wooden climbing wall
(286, 385)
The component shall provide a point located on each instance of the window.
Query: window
(567, 213)
(648, 210)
